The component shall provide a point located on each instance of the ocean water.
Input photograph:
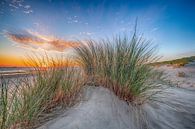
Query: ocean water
(13, 72)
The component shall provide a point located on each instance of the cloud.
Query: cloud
(20, 5)
(35, 40)
(73, 19)
(27, 6)
(86, 33)
(11, 5)
(154, 29)
(24, 38)
(28, 11)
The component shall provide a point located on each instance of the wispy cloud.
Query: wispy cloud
(27, 6)
(18, 5)
(154, 29)
(74, 20)
(28, 11)
(11, 5)
(35, 40)
(86, 33)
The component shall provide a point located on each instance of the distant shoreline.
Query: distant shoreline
(176, 63)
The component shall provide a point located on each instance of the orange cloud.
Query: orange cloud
(61, 45)
(36, 40)
(24, 39)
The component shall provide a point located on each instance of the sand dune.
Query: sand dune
(186, 81)
(101, 109)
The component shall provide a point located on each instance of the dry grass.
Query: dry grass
(181, 74)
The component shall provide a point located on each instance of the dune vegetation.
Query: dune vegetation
(30, 100)
(177, 62)
(121, 65)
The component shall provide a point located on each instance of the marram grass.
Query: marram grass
(26, 102)
(122, 65)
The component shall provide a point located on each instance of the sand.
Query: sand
(188, 81)
(101, 109)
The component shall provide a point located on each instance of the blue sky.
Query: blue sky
(168, 23)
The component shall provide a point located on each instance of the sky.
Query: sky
(36, 26)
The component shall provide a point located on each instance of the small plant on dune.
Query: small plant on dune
(53, 83)
(181, 74)
(122, 65)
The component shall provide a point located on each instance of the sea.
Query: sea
(14, 72)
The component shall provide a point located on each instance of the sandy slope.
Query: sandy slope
(186, 82)
(101, 109)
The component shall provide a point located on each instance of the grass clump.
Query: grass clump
(25, 104)
(181, 74)
(122, 65)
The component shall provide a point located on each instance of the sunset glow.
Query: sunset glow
(11, 61)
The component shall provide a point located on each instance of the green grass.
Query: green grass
(24, 104)
(122, 65)
(177, 62)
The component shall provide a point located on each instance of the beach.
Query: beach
(185, 80)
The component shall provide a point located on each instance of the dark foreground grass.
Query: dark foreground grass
(122, 65)
(24, 104)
